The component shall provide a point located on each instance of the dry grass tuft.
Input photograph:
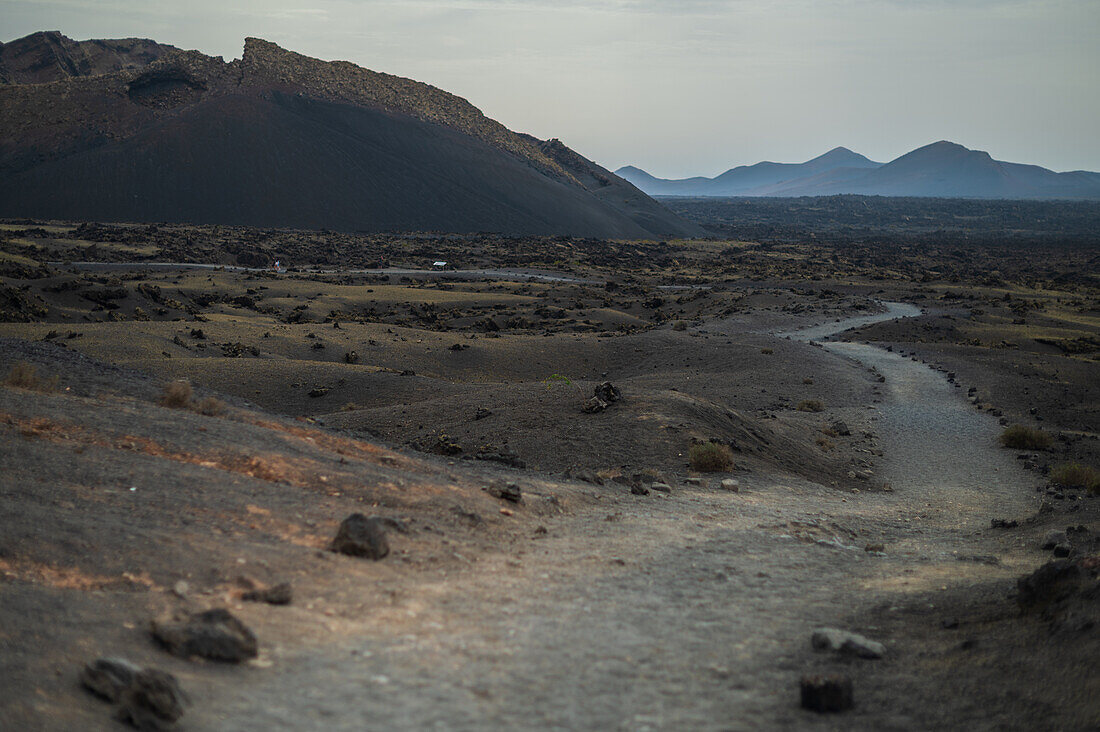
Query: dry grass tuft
(211, 407)
(811, 405)
(25, 376)
(1019, 437)
(710, 457)
(177, 395)
(1076, 475)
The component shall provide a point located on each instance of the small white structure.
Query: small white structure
(439, 265)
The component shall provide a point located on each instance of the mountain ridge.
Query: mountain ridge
(277, 138)
(940, 169)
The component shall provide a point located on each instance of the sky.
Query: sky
(691, 87)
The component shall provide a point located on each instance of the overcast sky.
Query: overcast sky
(691, 87)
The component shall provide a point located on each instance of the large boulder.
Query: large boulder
(360, 536)
(214, 634)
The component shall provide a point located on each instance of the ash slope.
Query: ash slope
(939, 170)
(278, 139)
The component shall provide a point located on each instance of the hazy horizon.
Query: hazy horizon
(691, 88)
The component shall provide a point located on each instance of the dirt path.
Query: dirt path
(685, 612)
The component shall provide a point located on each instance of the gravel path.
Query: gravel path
(691, 611)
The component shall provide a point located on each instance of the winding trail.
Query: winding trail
(691, 611)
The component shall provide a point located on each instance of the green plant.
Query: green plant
(1076, 475)
(557, 378)
(710, 457)
(811, 405)
(1021, 437)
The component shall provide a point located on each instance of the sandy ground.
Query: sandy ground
(585, 607)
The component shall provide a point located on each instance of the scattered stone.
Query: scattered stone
(280, 594)
(508, 492)
(1054, 581)
(693, 481)
(585, 475)
(504, 456)
(482, 413)
(608, 392)
(660, 487)
(181, 588)
(594, 405)
(829, 693)
(841, 428)
(458, 347)
(1053, 538)
(318, 391)
(153, 701)
(107, 677)
(875, 548)
(1003, 523)
(214, 634)
(842, 641)
(731, 484)
(639, 490)
(949, 623)
(1063, 550)
(351, 357)
(360, 536)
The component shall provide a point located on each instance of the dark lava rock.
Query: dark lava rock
(153, 701)
(351, 357)
(639, 490)
(318, 391)
(505, 456)
(585, 475)
(608, 392)
(360, 536)
(841, 428)
(458, 347)
(214, 634)
(482, 413)
(594, 405)
(830, 693)
(1054, 581)
(107, 677)
(197, 334)
(1003, 523)
(508, 492)
(280, 594)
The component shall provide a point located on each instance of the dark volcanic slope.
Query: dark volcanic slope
(280, 139)
(49, 56)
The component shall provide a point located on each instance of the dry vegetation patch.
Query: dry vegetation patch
(710, 457)
(1021, 437)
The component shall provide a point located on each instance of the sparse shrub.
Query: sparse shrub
(767, 351)
(825, 443)
(808, 381)
(680, 325)
(811, 405)
(710, 457)
(1021, 437)
(176, 395)
(24, 375)
(557, 378)
(1076, 475)
(211, 407)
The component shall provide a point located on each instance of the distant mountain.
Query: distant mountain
(942, 169)
(133, 130)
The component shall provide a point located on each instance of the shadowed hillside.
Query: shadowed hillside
(280, 139)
